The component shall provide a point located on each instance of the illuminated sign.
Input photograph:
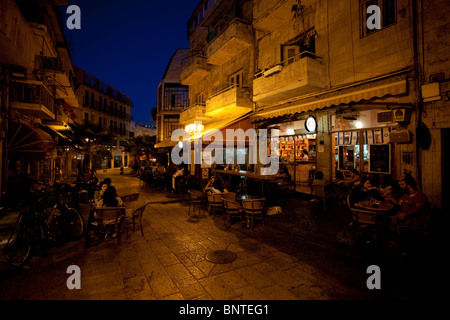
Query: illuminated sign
(311, 124)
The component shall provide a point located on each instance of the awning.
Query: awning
(24, 138)
(393, 86)
(167, 143)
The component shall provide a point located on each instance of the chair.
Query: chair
(110, 218)
(254, 209)
(232, 210)
(195, 199)
(134, 217)
(229, 196)
(130, 197)
(322, 192)
(215, 202)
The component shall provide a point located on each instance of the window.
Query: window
(200, 99)
(387, 15)
(303, 45)
(86, 98)
(236, 79)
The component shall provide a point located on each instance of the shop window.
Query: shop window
(387, 14)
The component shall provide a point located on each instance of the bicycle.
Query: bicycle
(38, 228)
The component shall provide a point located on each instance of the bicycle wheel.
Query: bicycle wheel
(75, 224)
(15, 249)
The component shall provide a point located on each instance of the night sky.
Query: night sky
(127, 44)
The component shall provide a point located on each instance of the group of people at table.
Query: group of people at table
(406, 204)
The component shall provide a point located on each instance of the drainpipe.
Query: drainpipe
(418, 83)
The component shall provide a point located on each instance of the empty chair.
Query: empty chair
(232, 210)
(136, 217)
(229, 196)
(195, 199)
(130, 197)
(215, 202)
(254, 210)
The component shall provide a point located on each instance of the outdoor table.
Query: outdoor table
(380, 207)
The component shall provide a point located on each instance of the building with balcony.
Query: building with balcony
(368, 89)
(106, 107)
(37, 86)
(173, 98)
(220, 71)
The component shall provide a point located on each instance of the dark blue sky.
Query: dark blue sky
(127, 44)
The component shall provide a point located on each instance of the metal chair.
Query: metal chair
(254, 209)
(136, 217)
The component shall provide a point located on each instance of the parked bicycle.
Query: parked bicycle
(45, 222)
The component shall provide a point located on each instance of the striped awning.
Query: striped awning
(377, 89)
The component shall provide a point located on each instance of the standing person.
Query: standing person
(178, 173)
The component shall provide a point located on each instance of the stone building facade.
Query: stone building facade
(37, 87)
(371, 91)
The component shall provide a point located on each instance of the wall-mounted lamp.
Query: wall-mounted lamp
(194, 128)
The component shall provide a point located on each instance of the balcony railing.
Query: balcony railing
(48, 63)
(32, 97)
(195, 68)
(228, 39)
(293, 77)
(229, 99)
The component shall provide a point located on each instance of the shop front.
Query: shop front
(297, 151)
(364, 144)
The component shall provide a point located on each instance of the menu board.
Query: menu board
(380, 158)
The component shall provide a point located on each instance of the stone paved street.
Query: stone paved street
(169, 262)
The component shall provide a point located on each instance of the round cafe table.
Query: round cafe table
(376, 206)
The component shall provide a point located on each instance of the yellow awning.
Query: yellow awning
(167, 143)
(378, 89)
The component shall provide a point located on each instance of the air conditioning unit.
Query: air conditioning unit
(273, 70)
(384, 116)
(403, 136)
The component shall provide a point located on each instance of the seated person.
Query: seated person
(214, 186)
(413, 204)
(395, 190)
(99, 192)
(285, 174)
(346, 179)
(110, 198)
(363, 191)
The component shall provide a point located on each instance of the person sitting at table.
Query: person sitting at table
(110, 198)
(395, 190)
(214, 186)
(346, 180)
(413, 205)
(285, 174)
(363, 191)
(100, 191)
